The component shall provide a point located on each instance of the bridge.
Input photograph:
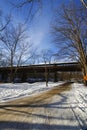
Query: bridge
(39, 70)
(72, 66)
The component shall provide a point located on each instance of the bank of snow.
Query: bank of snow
(77, 101)
(11, 91)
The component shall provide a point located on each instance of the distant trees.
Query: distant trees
(15, 47)
(35, 56)
(70, 34)
(46, 56)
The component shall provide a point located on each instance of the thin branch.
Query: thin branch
(84, 3)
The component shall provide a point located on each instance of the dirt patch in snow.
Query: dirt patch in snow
(39, 98)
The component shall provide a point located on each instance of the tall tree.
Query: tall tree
(15, 47)
(46, 58)
(4, 22)
(70, 34)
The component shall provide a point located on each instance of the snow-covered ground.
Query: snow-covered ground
(64, 111)
(77, 102)
(9, 91)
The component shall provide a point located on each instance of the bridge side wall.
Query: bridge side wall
(52, 76)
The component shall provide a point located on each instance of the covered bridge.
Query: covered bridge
(37, 72)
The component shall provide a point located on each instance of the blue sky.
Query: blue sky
(39, 28)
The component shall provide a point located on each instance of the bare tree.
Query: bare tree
(1, 59)
(25, 2)
(46, 56)
(34, 56)
(33, 6)
(15, 47)
(84, 3)
(4, 21)
(70, 34)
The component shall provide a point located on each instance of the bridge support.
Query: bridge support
(55, 76)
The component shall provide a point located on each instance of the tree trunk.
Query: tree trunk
(85, 83)
(11, 75)
(46, 75)
(85, 74)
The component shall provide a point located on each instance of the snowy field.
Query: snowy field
(9, 91)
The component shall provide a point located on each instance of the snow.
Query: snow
(10, 91)
(77, 98)
(67, 110)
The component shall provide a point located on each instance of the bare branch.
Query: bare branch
(84, 3)
(69, 31)
(5, 22)
(33, 6)
(15, 45)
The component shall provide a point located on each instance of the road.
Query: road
(51, 110)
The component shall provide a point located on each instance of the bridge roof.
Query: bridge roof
(72, 66)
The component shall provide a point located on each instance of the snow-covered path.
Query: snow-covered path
(62, 108)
